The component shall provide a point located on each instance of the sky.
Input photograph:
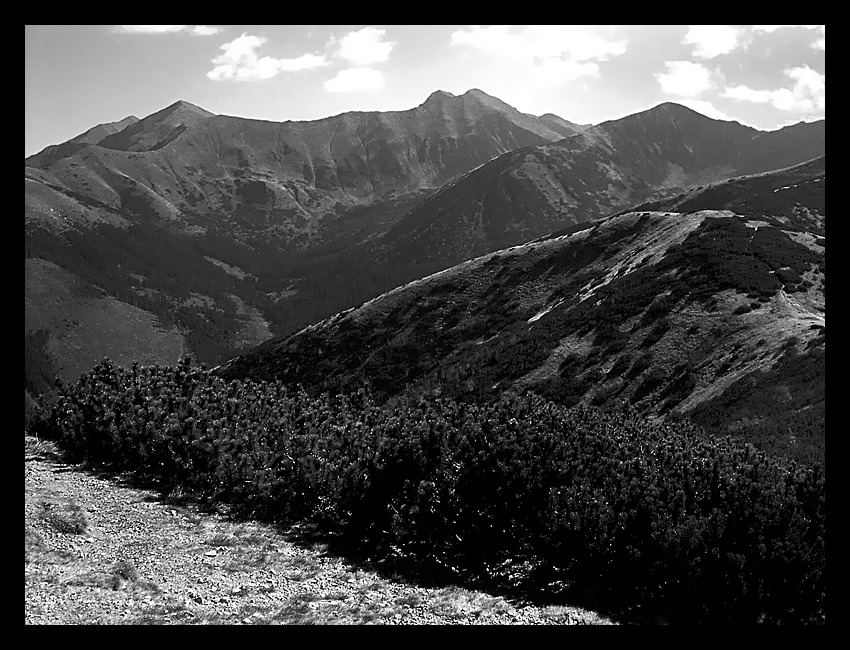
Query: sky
(78, 76)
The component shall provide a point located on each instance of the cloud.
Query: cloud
(151, 29)
(539, 42)
(355, 80)
(772, 28)
(365, 46)
(205, 30)
(807, 94)
(712, 40)
(684, 78)
(241, 62)
(197, 30)
(819, 44)
(527, 65)
(552, 71)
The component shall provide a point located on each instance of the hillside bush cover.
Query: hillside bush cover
(607, 504)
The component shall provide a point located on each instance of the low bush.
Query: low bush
(626, 509)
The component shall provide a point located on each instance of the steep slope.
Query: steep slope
(208, 221)
(535, 190)
(270, 176)
(793, 196)
(707, 314)
(234, 230)
(156, 130)
(562, 126)
(96, 134)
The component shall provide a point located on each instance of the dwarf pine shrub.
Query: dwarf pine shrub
(623, 508)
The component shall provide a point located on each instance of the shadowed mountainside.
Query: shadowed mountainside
(207, 223)
(708, 314)
(533, 191)
(229, 231)
(97, 134)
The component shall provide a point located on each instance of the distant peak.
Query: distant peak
(483, 99)
(673, 106)
(184, 106)
(439, 95)
(664, 111)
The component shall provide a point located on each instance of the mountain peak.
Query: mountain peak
(184, 107)
(664, 113)
(438, 96)
(157, 129)
(487, 100)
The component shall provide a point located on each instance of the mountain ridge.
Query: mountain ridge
(235, 229)
(707, 314)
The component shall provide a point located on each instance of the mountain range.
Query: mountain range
(708, 313)
(189, 232)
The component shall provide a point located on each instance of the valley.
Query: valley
(160, 210)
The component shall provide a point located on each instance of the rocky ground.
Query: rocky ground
(98, 551)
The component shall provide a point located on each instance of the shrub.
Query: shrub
(627, 509)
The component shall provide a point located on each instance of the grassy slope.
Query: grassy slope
(87, 325)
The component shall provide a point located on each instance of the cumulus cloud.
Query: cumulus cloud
(205, 30)
(712, 40)
(807, 94)
(197, 30)
(365, 46)
(354, 80)
(540, 42)
(684, 78)
(241, 62)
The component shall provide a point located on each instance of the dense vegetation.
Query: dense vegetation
(469, 344)
(516, 491)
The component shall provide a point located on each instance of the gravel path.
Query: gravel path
(98, 552)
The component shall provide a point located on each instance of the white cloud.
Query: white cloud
(526, 65)
(205, 30)
(365, 46)
(197, 30)
(354, 80)
(240, 61)
(684, 78)
(152, 29)
(712, 40)
(552, 71)
(807, 94)
(819, 44)
(565, 42)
